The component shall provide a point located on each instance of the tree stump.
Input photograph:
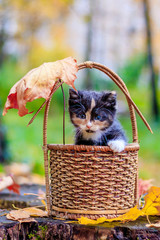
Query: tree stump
(47, 228)
(52, 228)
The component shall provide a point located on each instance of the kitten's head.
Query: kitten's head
(92, 111)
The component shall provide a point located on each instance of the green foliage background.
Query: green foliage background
(25, 143)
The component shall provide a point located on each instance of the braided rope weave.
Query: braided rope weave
(92, 181)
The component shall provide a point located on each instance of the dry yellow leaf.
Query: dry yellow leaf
(132, 215)
(22, 215)
(17, 214)
(85, 220)
(152, 207)
(35, 212)
(152, 201)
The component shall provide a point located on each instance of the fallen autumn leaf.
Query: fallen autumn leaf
(151, 207)
(39, 82)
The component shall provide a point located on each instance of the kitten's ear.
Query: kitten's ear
(73, 94)
(109, 97)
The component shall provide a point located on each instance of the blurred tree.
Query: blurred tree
(152, 65)
(88, 84)
(3, 34)
(150, 59)
(37, 29)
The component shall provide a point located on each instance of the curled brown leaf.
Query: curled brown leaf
(39, 82)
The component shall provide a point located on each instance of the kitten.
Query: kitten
(94, 117)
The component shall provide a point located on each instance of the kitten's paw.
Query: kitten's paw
(117, 145)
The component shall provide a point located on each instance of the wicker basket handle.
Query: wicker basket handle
(119, 82)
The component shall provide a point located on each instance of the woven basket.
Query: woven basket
(92, 181)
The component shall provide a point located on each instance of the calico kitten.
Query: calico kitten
(94, 117)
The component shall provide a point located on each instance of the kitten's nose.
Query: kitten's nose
(89, 125)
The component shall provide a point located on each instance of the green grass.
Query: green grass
(25, 143)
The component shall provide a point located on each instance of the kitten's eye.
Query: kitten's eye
(81, 115)
(98, 117)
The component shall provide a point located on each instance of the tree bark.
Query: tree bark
(154, 98)
(88, 84)
(48, 229)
